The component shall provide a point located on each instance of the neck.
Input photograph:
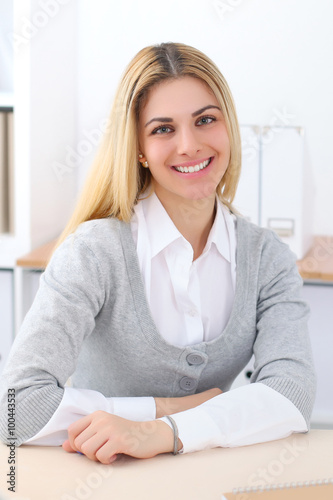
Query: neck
(193, 219)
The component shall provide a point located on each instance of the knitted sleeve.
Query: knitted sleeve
(45, 351)
(282, 350)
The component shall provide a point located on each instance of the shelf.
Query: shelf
(38, 258)
(318, 262)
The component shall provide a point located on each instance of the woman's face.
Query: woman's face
(183, 137)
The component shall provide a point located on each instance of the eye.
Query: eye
(163, 129)
(206, 120)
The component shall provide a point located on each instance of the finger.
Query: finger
(106, 453)
(91, 446)
(76, 429)
(67, 447)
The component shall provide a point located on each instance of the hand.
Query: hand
(168, 406)
(101, 436)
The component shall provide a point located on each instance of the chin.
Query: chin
(201, 193)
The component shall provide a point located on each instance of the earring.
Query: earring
(143, 163)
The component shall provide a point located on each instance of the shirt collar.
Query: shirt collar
(162, 231)
(219, 234)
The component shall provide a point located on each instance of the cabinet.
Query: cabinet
(274, 189)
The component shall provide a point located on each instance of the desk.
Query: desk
(38, 258)
(318, 263)
(45, 473)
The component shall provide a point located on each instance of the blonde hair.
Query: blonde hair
(116, 178)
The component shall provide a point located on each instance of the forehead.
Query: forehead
(183, 95)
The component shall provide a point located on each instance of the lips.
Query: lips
(193, 168)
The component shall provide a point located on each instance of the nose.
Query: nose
(188, 142)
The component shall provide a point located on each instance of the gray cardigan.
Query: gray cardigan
(91, 321)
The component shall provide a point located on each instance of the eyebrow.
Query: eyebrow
(165, 119)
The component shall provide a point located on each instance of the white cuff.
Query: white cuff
(196, 430)
(77, 403)
(247, 415)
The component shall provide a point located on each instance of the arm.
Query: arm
(44, 355)
(282, 348)
(45, 351)
(78, 403)
(169, 406)
(244, 416)
(280, 398)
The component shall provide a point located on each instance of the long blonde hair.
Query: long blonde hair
(116, 178)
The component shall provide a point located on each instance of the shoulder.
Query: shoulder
(98, 232)
(262, 238)
(263, 248)
(98, 240)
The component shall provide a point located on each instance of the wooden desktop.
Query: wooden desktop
(49, 473)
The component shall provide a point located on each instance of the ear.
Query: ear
(142, 159)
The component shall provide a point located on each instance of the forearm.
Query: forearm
(169, 406)
(251, 414)
(77, 403)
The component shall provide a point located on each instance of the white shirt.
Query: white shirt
(188, 304)
(177, 292)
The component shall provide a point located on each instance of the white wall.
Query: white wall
(276, 56)
(6, 48)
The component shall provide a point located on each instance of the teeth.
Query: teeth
(195, 168)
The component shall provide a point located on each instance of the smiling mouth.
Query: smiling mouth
(194, 168)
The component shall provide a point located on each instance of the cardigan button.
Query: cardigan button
(187, 383)
(194, 359)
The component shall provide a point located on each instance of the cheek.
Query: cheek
(158, 151)
(221, 141)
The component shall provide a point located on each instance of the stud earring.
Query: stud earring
(143, 163)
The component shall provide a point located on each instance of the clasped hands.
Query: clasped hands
(101, 436)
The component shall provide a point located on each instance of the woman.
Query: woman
(158, 294)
